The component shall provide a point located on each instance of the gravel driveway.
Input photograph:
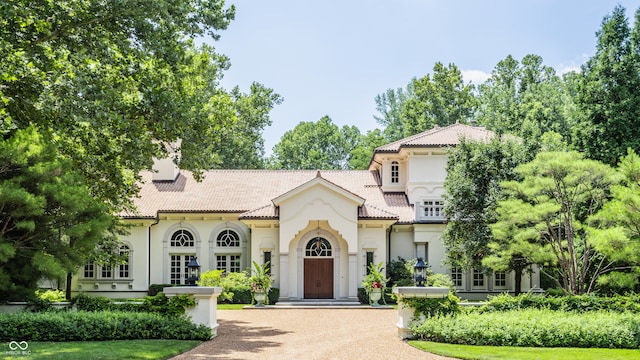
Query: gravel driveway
(307, 334)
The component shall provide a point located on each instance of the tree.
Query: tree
(438, 99)
(390, 105)
(472, 192)
(549, 207)
(49, 223)
(116, 80)
(526, 99)
(240, 144)
(609, 91)
(360, 156)
(615, 229)
(315, 145)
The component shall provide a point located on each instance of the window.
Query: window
(179, 272)
(89, 270)
(267, 259)
(456, 276)
(395, 172)
(182, 238)
(228, 263)
(478, 278)
(318, 247)
(433, 209)
(228, 238)
(500, 279)
(369, 261)
(123, 269)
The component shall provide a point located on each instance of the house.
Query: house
(318, 229)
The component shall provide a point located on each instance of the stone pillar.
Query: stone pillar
(206, 297)
(353, 276)
(405, 313)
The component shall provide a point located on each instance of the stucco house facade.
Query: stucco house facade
(318, 229)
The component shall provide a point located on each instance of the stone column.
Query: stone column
(206, 297)
(405, 313)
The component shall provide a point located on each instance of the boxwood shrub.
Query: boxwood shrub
(534, 328)
(97, 326)
(577, 303)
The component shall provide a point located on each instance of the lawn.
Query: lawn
(231, 306)
(522, 353)
(102, 350)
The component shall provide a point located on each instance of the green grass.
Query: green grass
(231, 306)
(523, 353)
(101, 350)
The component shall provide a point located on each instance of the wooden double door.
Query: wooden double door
(318, 278)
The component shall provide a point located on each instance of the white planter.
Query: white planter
(259, 297)
(374, 296)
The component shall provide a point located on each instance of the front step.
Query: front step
(325, 304)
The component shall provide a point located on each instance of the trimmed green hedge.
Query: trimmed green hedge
(577, 303)
(535, 328)
(97, 326)
(160, 304)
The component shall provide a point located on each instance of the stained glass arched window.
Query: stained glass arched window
(318, 247)
(182, 238)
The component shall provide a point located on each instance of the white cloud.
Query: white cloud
(475, 76)
(574, 65)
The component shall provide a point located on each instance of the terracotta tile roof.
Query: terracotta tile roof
(249, 192)
(438, 137)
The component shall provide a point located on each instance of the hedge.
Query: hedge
(97, 326)
(534, 328)
(577, 303)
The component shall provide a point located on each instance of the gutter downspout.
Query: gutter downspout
(149, 253)
(389, 244)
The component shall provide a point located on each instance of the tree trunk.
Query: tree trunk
(518, 285)
(68, 286)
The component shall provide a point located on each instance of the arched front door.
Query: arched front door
(318, 269)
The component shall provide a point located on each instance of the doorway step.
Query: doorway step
(324, 304)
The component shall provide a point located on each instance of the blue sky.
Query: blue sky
(333, 57)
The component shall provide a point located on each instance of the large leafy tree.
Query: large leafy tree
(441, 98)
(609, 91)
(549, 208)
(115, 80)
(474, 173)
(360, 156)
(315, 145)
(106, 85)
(526, 99)
(49, 222)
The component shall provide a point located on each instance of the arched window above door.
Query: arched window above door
(318, 247)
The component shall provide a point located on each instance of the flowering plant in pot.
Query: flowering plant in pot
(260, 282)
(374, 283)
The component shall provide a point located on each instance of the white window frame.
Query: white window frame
(183, 271)
(504, 277)
(227, 262)
(478, 276)
(430, 209)
(457, 276)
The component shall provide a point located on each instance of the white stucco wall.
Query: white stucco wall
(426, 175)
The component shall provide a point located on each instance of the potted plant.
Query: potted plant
(374, 283)
(260, 283)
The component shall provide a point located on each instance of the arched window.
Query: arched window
(228, 238)
(182, 238)
(395, 172)
(123, 271)
(318, 247)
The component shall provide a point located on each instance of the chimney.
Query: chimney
(165, 169)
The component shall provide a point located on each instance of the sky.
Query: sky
(333, 57)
